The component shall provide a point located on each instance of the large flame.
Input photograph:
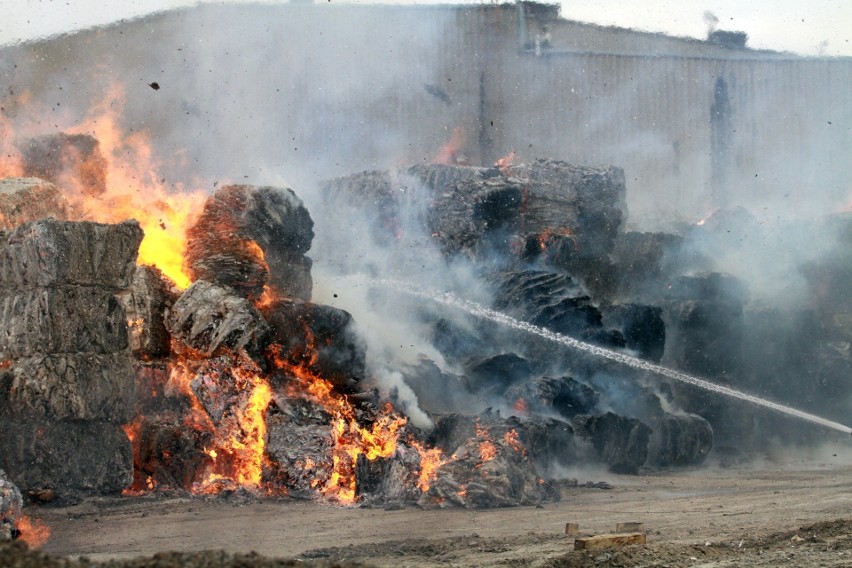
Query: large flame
(351, 440)
(136, 190)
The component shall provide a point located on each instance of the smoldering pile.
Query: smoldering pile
(240, 383)
(545, 240)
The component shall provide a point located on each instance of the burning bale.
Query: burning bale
(488, 465)
(322, 339)
(68, 379)
(248, 236)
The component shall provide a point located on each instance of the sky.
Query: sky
(807, 27)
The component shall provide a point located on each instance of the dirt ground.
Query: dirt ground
(797, 514)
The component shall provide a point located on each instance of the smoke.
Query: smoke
(711, 21)
(300, 94)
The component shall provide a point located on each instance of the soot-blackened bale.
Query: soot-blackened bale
(248, 236)
(73, 162)
(68, 381)
(208, 320)
(620, 442)
(546, 299)
(493, 375)
(679, 440)
(68, 458)
(642, 327)
(563, 396)
(28, 199)
(167, 453)
(320, 338)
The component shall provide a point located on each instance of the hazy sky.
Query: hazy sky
(808, 27)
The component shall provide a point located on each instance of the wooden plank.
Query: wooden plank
(608, 541)
(572, 528)
(630, 527)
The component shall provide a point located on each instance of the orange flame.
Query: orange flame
(33, 531)
(350, 439)
(504, 164)
(449, 152)
(135, 190)
(431, 459)
(510, 438)
(487, 449)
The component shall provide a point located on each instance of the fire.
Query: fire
(504, 164)
(510, 438)
(33, 531)
(487, 449)
(238, 446)
(134, 186)
(10, 159)
(520, 407)
(545, 236)
(135, 190)
(448, 154)
(430, 460)
(351, 440)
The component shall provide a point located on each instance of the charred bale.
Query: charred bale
(320, 338)
(73, 162)
(475, 216)
(371, 187)
(69, 386)
(642, 327)
(563, 396)
(168, 452)
(249, 235)
(620, 442)
(71, 459)
(588, 202)
(29, 199)
(208, 320)
(549, 443)
(70, 319)
(437, 391)
(50, 253)
(704, 323)
(493, 375)
(546, 299)
(646, 261)
(388, 480)
(146, 304)
(679, 441)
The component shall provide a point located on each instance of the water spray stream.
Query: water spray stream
(479, 311)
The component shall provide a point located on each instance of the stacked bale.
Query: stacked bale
(67, 383)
